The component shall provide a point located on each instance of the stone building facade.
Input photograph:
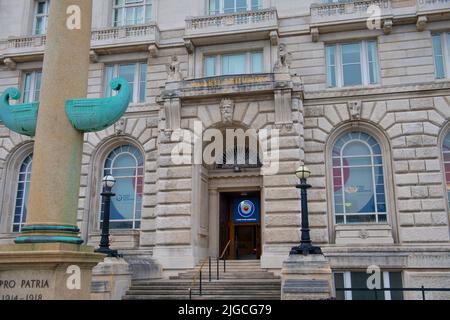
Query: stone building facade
(330, 78)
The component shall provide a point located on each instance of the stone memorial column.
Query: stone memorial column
(48, 260)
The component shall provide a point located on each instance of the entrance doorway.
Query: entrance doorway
(240, 225)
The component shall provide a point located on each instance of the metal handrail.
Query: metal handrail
(224, 250)
(222, 256)
(195, 278)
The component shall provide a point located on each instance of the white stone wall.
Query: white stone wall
(412, 129)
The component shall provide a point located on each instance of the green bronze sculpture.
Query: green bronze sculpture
(20, 118)
(90, 115)
(86, 115)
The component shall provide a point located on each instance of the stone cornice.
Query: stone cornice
(379, 91)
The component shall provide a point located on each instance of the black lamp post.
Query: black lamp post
(108, 183)
(305, 246)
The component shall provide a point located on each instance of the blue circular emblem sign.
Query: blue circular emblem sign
(246, 209)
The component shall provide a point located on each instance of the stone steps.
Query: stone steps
(243, 280)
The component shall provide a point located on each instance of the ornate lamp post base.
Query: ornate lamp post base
(305, 249)
(109, 252)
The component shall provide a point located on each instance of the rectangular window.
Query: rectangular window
(358, 281)
(441, 50)
(134, 73)
(352, 64)
(256, 4)
(214, 7)
(372, 61)
(257, 62)
(210, 66)
(331, 65)
(232, 6)
(31, 86)
(234, 63)
(41, 17)
(131, 12)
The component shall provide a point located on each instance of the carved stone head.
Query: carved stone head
(226, 109)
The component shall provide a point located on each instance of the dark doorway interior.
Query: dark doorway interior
(244, 238)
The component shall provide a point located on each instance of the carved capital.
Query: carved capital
(421, 23)
(354, 109)
(315, 34)
(387, 26)
(10, 63)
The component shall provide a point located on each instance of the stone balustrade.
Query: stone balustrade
(147, 32)
(128, 35)
(238, 21)
(430, 6)
(224, 20)
(348, 10)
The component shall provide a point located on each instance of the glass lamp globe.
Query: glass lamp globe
(302, 172)
(108, 181)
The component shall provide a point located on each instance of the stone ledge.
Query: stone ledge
(374, 91)
(306, 286)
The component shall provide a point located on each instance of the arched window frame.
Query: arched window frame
(252, 158)
(8, 187)
(137, 207)
(445, 132)
(363, 138)
(24, 199)
(383, 140)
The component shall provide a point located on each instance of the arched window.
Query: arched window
(126, 164)
(359, 191)
(446, 159)
(23, 191)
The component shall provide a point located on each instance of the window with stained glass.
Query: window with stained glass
(358, 180)
(126, 164)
